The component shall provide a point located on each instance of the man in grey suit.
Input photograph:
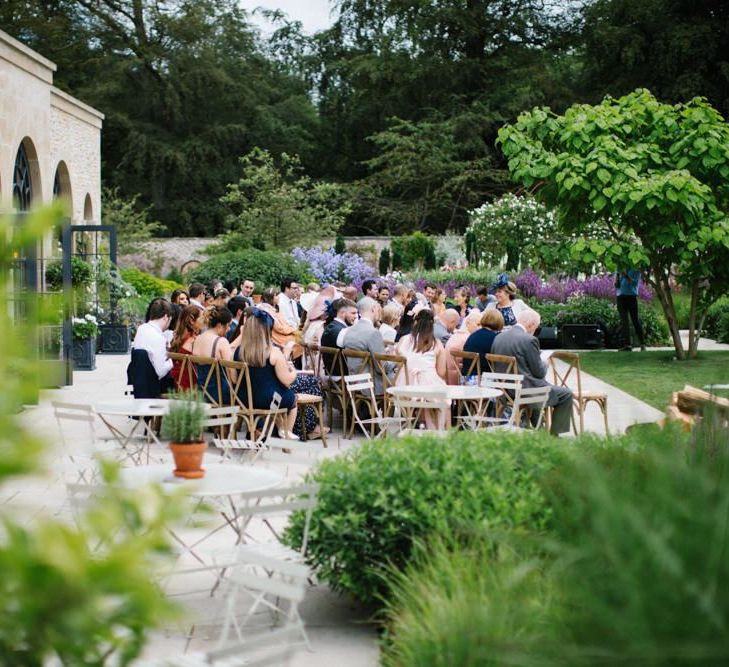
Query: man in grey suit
(364, 335)
(519, 341)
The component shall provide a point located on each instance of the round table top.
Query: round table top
(453, 392)
(134, 407)
(221, 479)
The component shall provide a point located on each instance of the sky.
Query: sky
(313, 14)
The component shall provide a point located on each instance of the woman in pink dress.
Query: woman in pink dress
(426, 359)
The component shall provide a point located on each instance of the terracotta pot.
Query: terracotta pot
(188, 459)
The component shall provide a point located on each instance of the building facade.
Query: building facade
(50, 142)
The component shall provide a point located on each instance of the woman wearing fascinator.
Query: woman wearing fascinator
(506, 302)
(317, 315)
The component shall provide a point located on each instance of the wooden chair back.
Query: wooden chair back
(502, 363)
(562, 378)
(211, 380)
(333, 363)
(334, 369)
(357, 360)
(312, 358)
(186, 370)
(400, 364)
(471, 361)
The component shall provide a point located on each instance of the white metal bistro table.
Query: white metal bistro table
(474, 398)
(223, 481)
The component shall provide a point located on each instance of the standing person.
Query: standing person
(288, 306)
(197, 295)
(246, 291)
(426, 359)
(520, 342)
(627, 282)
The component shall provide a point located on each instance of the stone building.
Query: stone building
(50, 142)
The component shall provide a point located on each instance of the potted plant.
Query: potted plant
(183, 426)
(85, 329)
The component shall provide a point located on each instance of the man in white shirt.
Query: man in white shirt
(246, 291)
(150, 337)
(197, 295)
(287, 304)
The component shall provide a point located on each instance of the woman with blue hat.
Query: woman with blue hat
(506, 303)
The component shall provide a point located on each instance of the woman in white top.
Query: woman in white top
(426, 359)
(506, 303)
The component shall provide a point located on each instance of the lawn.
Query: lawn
(653, 376)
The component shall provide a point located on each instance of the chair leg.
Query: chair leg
(320, 415)
(603, 406)
(582, 406)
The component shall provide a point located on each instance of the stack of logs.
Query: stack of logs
(690, 404)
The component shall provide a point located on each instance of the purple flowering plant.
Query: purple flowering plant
(328, 266)
(560, 290)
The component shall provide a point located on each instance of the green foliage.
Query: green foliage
(469, 276)
(429, 260)
(397, 260)
(72, 595)
(413, 251)
(652, 176)
(148, 285)
(383, 265)
(84, 328)
(82, 273)
(340, 247)
(183, 423)
(279, 205)
(590, 310)
(375, 501)
(717, 320)
(265, 267)
(133, 225)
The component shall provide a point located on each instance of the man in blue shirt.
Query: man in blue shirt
(627, 282)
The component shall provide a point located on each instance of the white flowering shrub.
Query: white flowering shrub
(450, 250)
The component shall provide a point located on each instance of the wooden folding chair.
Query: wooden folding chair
(334, 368)
(400, 365)
(212, 380)
(502, 363)
(186, 370)
(581, 397)
(312, 358)
(256, 432)
(471, 361)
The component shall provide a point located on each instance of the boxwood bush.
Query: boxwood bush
(589, 310)
(375, 501)
(148, 285)
(266, 267)
(717, 321)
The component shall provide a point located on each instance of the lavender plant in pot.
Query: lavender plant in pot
(183, 426)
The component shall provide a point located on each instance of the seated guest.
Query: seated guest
(364, 336)
(189, 326)
(460, 302)
(316, 319)
(344, 313)
(482, 339)
(369, 289)
(197, 295)
(505, 300)
(519, 341)
(383, 296)
(483, 298)
(426, 361)
(455, 344)
(270, 371)
(246, 291)
(406, 298)
(149, 369)
(213, 343)
(288, 306)
(209, 299)
(236, 306)
(437, 305)
(283, 333)
(445, 324)
(230, 286)
(221, 297)
(390, 321)
(179, 297)
(429, 292)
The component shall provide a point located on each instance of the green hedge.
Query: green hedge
(266, 267)
(375, 501)
(717, 321)
(82, 273)
(148, 285)
(589, 310)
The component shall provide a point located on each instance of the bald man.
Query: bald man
(445, 324)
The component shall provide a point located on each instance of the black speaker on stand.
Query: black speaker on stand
(548, 338)
(583, 337)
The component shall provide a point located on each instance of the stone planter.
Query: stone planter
(114, 339)
(84, 354)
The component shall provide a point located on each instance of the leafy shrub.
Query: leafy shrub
(265, 267)
(717, 321)
(384, 261)
(82, 273)
(411, 250)
(589, 310)
(378, 499)
(148, 285)
(450, 250)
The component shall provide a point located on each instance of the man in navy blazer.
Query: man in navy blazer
(519, 341)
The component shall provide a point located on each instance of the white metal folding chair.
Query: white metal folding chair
(529, 401)
(410, 402)
(298, 457)
(361, 391)
(262, 649)
(510, 385)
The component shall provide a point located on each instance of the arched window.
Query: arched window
(22, 182)
(88, 209)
